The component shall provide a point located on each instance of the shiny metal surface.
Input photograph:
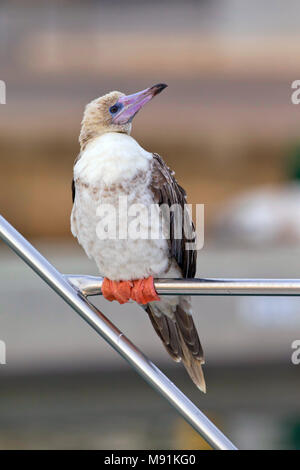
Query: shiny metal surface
(114, 337)
(91, 285)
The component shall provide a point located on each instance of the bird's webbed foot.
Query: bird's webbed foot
(141, 291)
(116, 290)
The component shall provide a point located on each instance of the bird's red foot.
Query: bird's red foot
(116, 290)
(143, 291)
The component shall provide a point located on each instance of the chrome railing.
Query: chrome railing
(75, 289)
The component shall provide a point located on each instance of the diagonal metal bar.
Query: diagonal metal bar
(114, 337)
(91, 285)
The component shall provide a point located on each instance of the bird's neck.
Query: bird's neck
(110, 159)
(87, 136)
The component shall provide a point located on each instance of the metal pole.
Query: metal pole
(114, 337)
(91, 285)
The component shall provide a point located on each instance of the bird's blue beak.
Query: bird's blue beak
(131, 104)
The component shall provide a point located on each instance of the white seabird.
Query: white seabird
(112, 165)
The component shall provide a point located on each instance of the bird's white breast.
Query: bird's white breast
(112, 158)
(113, 166)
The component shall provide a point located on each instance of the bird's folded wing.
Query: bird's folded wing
(166, 190)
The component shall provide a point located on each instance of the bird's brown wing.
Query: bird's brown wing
(180, 338)
(73, 190)
(73, 182)
(166, 190)
(178, 334)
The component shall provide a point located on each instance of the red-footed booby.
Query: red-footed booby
(111, 164)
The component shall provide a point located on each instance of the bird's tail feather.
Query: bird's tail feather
(180, 338)
(193, 366)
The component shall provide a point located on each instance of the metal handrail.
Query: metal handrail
(91, 285)
(76, 299)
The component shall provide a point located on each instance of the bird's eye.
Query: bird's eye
(114, 109)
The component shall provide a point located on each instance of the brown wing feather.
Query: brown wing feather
(180, 338)
(168, 333)
(166, 190)
(73, 182)
(73, 190)
(189, 333)
(178, 335)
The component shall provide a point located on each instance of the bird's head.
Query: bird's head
(113, 113)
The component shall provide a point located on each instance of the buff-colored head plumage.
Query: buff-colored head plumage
(97, 119)
(113, 113)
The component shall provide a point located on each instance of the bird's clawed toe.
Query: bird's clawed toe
(107, 291)
(116, 290)
(141, 291)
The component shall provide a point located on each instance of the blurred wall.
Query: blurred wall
(225, 123)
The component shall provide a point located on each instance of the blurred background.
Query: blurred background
(228, 128)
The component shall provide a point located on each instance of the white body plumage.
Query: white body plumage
(115, 165)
